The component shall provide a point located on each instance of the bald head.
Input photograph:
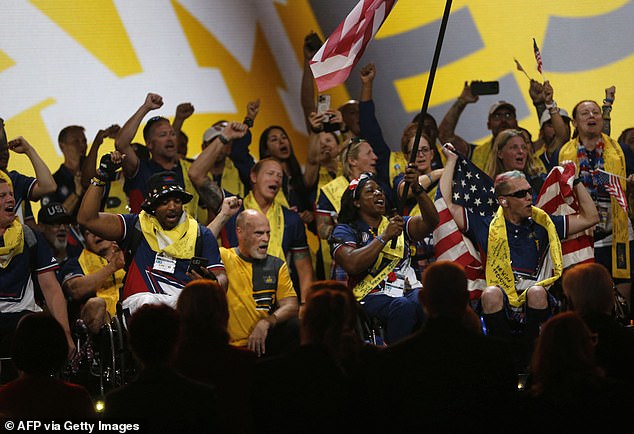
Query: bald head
(253, 232)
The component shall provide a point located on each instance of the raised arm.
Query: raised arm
(183, 111)
(587, 216)
(447, 127)
(230, 207)
(89, 166)
(307, 93)
(446, 187)
(123, 143)
(45, 183)
(558, 123)
(105, 225)
(606, 109)
(198, 171)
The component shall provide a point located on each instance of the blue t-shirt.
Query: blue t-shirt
(17, 288)
(528, 242)
(143, 277)
(22, 187)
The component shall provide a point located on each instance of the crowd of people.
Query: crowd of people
(238, 322)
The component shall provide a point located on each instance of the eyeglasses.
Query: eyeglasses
(424, 150)
(519, 194)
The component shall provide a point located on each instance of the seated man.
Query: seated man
(23, 255)
(159, 242)
(517, 244)
(94, 279)
(261, 297)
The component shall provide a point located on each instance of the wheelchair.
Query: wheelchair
(102, 362)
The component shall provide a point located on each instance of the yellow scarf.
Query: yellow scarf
(325, 178)
(13, 238)
(498, 262)
(395, 255)
(481, 154)
(91, 262)
(614, 163)
(275, 216)
(183, 236)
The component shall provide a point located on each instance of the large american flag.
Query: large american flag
(613, 186)
(331, 65)
(473, 190)
(538, 56)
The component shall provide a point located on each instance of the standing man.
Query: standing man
(502, 116)
(160, 241)
(161, 140)
(261, 298)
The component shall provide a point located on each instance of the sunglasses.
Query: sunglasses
(352, 141)
(520, 194)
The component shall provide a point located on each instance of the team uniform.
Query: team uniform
(155, 277)
(255, 286)
(394, 299)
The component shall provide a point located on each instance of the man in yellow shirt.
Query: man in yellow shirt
(262, 302)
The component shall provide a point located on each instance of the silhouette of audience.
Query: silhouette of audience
(204, 354)
(160, 399)
(568, 390)
(39, 350)
(447, 375)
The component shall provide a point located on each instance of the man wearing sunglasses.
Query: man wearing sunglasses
(521, 250)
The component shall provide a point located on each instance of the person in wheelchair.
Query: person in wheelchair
(160, 242)
(521, 244)
(375, 252)
(93, 280)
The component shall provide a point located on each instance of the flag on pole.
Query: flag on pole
(538, 56)
(613, 186)
(556, 198)
(331, 65)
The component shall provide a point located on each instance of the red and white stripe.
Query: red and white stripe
(556, 198)
(331, 65)
(451, 245)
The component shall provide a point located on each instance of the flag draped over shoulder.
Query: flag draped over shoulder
(473, 190)
(556, 198)
(332, 64)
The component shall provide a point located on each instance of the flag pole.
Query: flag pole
(423, 111)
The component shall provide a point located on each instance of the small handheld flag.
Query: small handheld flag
(538, 57)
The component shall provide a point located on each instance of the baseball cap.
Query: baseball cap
(546, 117)
(163, 184)
(53, 213)
(501, 104)
(214, 131)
